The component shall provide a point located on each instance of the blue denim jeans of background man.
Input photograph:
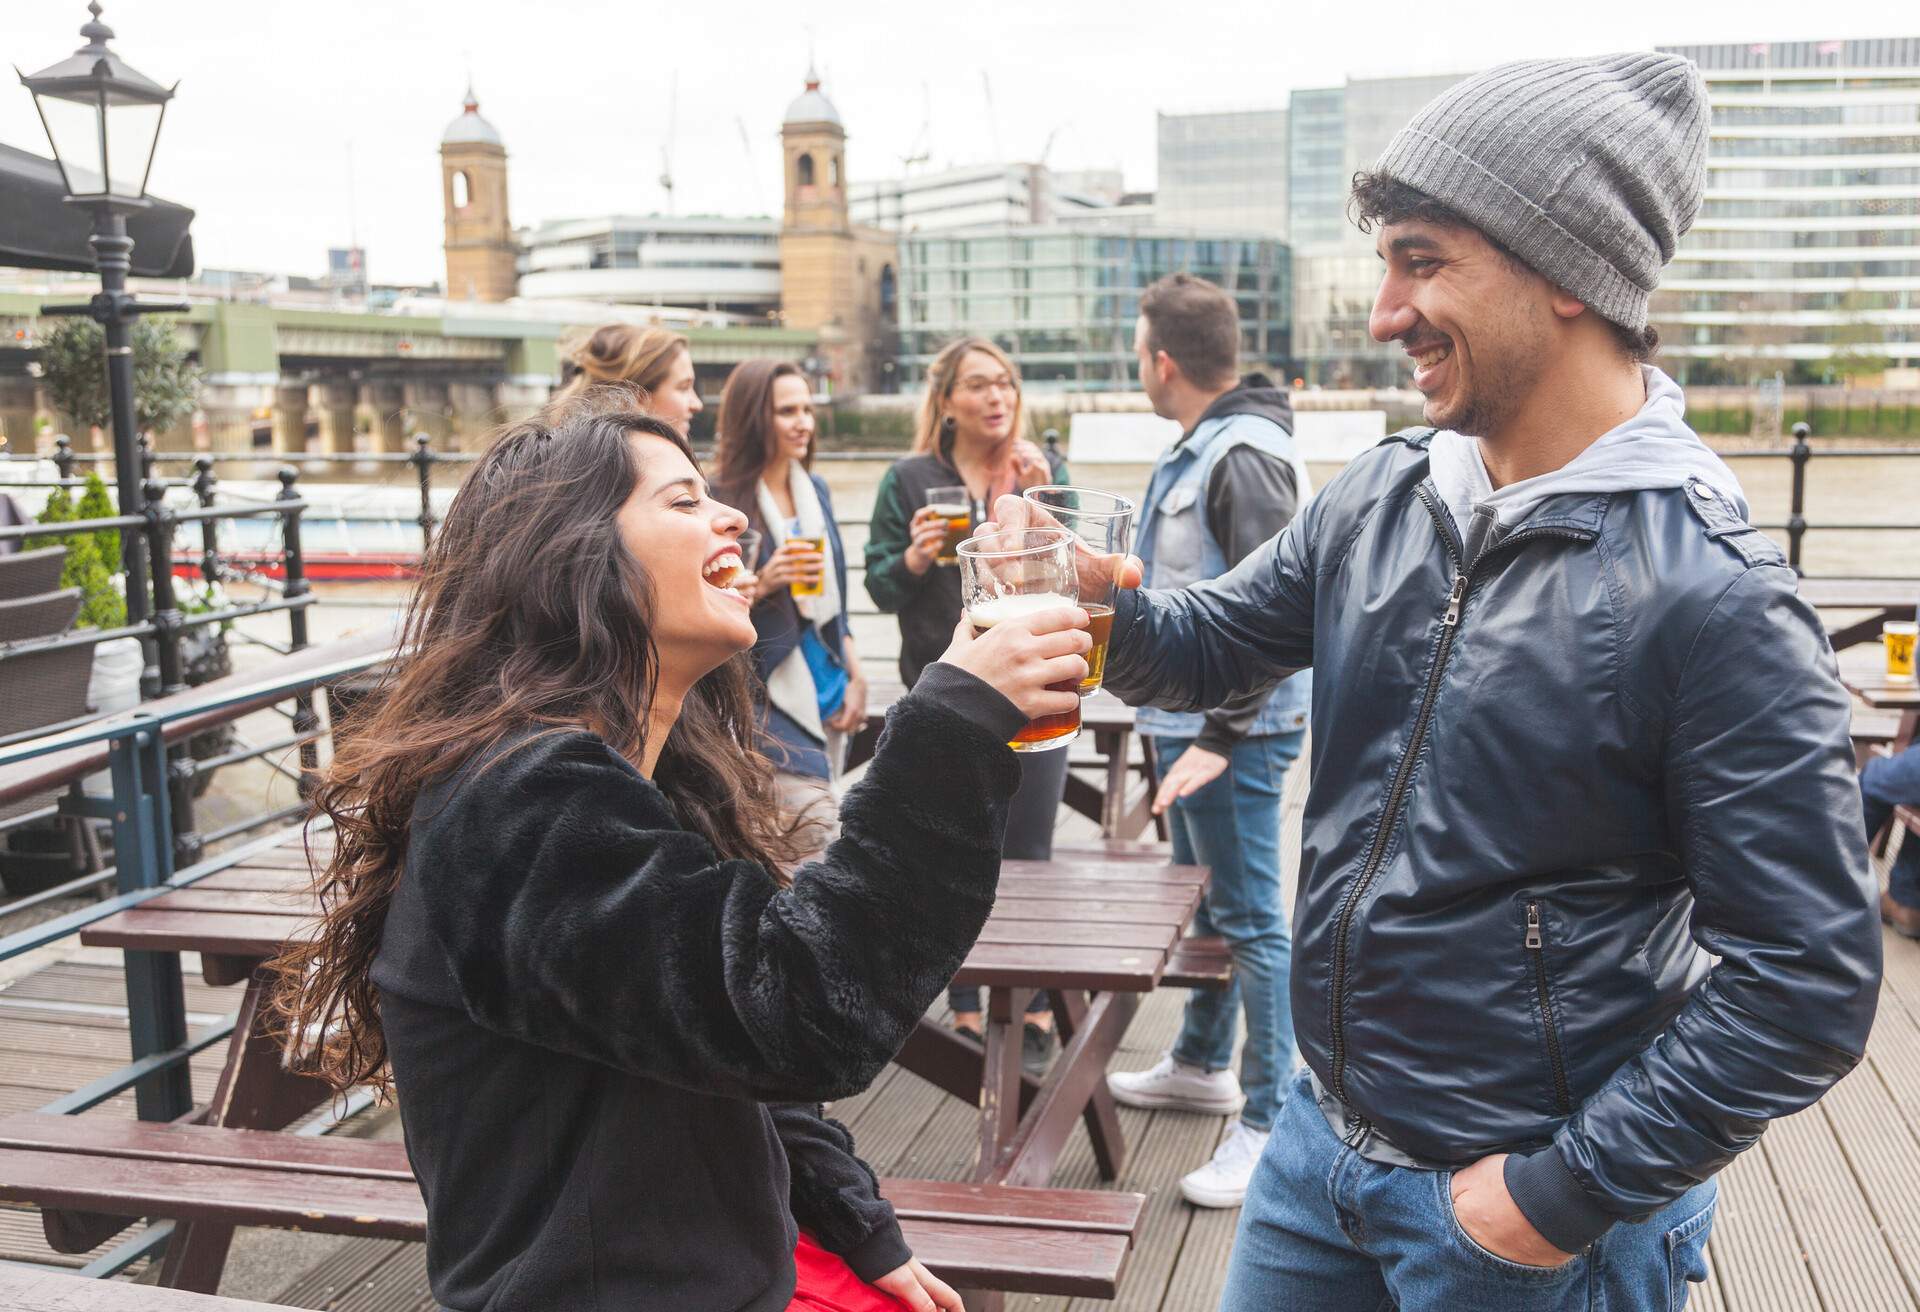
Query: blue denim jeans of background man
(1888, 782)
(1233, 826)
(1326, 1230)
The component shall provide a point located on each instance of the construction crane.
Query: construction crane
(922, 148)
(993, 120)
(753, 167)
(666, 148)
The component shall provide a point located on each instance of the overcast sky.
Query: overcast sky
(276, 96)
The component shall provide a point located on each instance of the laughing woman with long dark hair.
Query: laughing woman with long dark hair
(554, 918)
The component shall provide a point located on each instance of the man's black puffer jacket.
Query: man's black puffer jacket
(1554, 767)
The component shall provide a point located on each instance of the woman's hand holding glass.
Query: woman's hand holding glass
(794, 561)
(1021, 656)
(929, 533)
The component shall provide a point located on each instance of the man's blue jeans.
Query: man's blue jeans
(1326, 1230)
(1233, 825)
(1888, 782)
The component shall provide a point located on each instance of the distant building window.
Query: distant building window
(462, 190)
(833, 170)
(805, 170)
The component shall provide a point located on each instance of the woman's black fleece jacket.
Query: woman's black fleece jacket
(610, 1044)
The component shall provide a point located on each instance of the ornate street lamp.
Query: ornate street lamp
(102, 118)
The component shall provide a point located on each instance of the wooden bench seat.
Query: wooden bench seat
(1043, 1241)
(1200, 962)
(36, 1289)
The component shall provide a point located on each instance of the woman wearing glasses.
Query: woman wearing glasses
(970, 433)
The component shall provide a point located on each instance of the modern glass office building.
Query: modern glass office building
(1224, 170)
(1806, 257)
(1063, 299)
(1334, 132)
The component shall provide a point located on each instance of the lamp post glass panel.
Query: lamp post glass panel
(1104, 521)
(102, 119)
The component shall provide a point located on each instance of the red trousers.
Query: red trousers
(825, 1283)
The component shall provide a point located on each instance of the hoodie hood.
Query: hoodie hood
(1254, 394)
(1654, 449)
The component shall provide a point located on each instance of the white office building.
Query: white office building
(1807, 249)
(730, 266)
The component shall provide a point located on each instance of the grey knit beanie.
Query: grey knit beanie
(1589, 170)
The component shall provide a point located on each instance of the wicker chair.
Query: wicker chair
(29, 573)
(43, 616)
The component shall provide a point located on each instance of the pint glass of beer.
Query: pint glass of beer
(1015, 573)
(1104, 522)
(1898, 635)
(819, 585)
(954, 505)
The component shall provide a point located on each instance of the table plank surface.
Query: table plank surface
(1871, 687)
(36, 1289)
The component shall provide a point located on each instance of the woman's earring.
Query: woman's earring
(947, 424)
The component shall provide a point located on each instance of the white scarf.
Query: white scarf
(790, 686)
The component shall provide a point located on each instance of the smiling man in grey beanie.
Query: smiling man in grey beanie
(1583, 900)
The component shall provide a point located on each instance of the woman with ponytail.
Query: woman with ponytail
(652, 364)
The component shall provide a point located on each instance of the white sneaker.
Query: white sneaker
(1174, 1084)
(1222, 1182)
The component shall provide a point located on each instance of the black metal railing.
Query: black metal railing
(1801, 455)
(165, 627)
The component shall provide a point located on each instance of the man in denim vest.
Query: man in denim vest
(1225, 488)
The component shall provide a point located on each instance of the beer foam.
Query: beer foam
(989, 611)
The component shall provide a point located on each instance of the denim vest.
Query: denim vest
(1178, 548)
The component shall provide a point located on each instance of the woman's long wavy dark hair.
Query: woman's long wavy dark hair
(530, 611)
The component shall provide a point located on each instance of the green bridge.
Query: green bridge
(315, 377)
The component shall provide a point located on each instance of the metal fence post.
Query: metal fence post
(204, 482)
(422, 461)
(167, 620)
(305, 721)
(1801, 452)
(143, 856)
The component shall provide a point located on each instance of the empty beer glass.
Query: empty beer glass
(1012, 574)
(1104, 521)
(954, 505)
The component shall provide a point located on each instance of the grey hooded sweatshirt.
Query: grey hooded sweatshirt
(1654, 449)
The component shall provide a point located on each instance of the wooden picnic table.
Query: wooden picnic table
(1105, 719)
(1872, 687)
(1887, 598)
(1093, 931)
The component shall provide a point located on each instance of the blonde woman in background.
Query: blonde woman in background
(652, 360)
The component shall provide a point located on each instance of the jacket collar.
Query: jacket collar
(1254, 394)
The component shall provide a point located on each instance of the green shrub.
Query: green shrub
(93, 557)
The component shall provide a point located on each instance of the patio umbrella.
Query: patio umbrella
(39, 230)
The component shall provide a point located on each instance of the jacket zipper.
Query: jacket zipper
(1357, 1126)
(1549, 1022)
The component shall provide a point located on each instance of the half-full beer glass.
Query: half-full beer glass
(954, 505)
(1104, 521)
(1016, 573)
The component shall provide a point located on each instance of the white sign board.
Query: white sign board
(1323, 436)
